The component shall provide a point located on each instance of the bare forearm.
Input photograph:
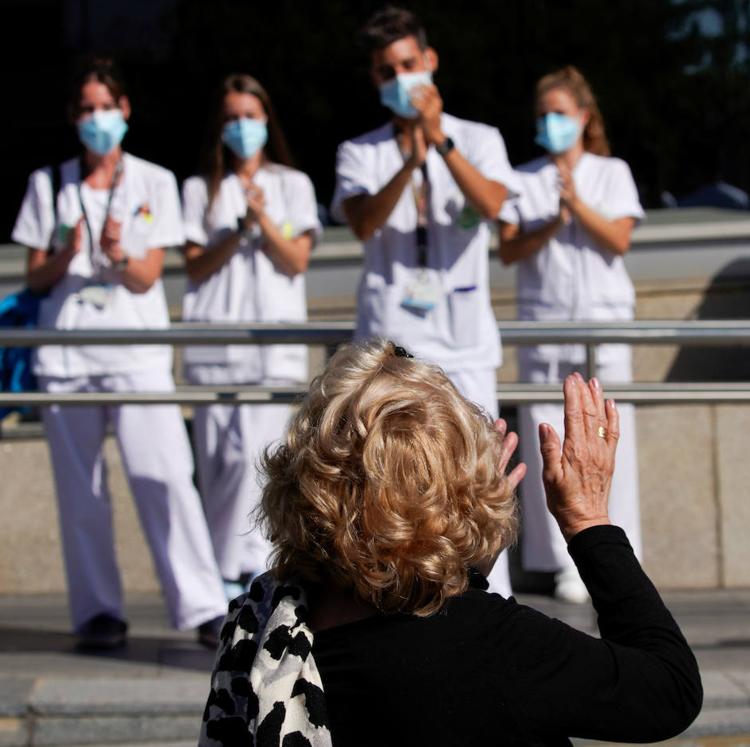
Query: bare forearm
(367, 213)
(201, 263)
(614, 236)
(139, 275)
(485, 195)
(45, 270)
(524, 245)
(290, 255)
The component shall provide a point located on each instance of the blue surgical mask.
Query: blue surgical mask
(557, 133)
(395, 93)
(103, 131)
(245, 137)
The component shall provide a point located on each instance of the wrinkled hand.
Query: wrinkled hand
(256, 204)
(507, 449)
(578, 476)
(110, 241)
(426, 100)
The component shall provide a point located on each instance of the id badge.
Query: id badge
(96, 294)
(422, 295)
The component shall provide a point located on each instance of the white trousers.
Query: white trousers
(544, 547)
(229, 442)
(159, 466)
(480, 386)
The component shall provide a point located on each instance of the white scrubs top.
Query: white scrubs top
(146, 202)
(571, 277)
(247, 288)
(460, 332)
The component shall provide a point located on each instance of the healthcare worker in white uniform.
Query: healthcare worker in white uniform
(420, 192)
(96, 248)
(250, 225)
(568, 231)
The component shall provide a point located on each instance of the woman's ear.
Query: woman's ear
(584, 116)
(431, 59)
(123, 103)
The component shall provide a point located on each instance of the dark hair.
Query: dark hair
(390, 24)
(100, 70)
(215, 155)
(571, 79)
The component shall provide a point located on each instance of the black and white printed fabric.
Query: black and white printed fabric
(266, 689)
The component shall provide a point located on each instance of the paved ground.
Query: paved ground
(153, 692)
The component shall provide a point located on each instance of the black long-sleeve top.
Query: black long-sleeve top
(489, 671)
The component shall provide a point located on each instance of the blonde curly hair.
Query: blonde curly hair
(388, 483)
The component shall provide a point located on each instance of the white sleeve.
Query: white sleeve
(167, 229)
(302, 207)
(622, 195)
(194, 207)
(35, 223)
(354, 176)
(509, 212)
(486, 152)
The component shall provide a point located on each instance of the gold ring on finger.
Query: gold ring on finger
(601, 431)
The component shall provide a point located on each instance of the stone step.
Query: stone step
(165, 712)
(118, 711)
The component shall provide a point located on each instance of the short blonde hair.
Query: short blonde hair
(388, 483)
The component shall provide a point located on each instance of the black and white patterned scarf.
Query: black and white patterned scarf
(265, 689)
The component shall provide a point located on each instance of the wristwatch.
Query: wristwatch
(445, 147)
(122, 264)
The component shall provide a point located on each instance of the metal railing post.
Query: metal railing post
(590, 360)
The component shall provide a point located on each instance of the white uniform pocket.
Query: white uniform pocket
(465, 316)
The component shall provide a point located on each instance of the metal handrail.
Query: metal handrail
(589, 334)
(510, 394)
(719, 332)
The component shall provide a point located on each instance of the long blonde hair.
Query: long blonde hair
(571, 79)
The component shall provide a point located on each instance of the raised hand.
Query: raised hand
(510, 444)
(418, 148)
(256, 204)
(568, 195)
(73, 241)
(578, 476)
(507, 449)
(110, 240)
(426, 100)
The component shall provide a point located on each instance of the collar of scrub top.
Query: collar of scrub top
(421, 194)
(82, 173)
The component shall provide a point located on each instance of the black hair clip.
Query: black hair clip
(400, 352)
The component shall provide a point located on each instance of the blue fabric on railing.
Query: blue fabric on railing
(16, 375)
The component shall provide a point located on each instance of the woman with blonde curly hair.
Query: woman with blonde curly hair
(387, 505)
(568, 231)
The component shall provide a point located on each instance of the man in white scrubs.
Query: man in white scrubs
(420, 192)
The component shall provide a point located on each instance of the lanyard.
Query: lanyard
(421, 194)
(115, 179)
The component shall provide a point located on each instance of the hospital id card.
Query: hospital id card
(96, 294)
(422, 295)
